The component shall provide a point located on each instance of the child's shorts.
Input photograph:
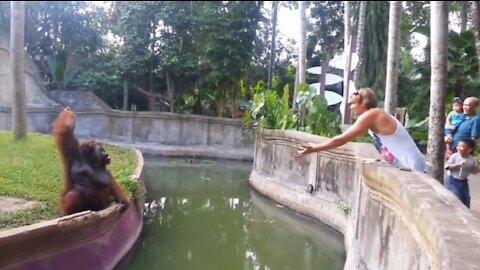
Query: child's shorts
(449, 131)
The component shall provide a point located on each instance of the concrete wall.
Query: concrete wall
(147, 131)
(391, 219)
(36, 95)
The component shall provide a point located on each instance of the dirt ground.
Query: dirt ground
(10, 204)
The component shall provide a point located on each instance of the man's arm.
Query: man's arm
(475, 132)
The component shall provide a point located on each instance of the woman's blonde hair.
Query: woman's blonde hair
(367, 97)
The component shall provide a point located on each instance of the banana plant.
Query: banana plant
(315, 116)
(57, 65)
(269, 110)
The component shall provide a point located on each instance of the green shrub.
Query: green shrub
(268, 110)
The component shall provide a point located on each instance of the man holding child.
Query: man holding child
(462, 163)
(469, 128)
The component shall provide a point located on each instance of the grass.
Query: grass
(31, 169)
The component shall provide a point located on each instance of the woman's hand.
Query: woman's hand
(306, 150)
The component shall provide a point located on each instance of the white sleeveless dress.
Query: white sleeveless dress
(402, 146)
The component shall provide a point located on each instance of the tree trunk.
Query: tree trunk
(272, 46)
(395, 18)
(346, 115)
(234, 101)
(151, 100)
(302, 45)
(302, 53)
(220, 101)
(325, 61)
(170, 92)
(361, 31)
(463, 16)
(476, 28)
(17, 65)
(295, 89)
(55, 28)
(438, 87)
(125, 95)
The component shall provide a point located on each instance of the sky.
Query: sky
(289, 26)
(288, 23)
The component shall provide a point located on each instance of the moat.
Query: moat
(202, 214)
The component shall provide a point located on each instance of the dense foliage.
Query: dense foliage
(205, 57)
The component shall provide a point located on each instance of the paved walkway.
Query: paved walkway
(474, 183)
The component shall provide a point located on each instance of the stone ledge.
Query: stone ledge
(398, 220)
(63, 243)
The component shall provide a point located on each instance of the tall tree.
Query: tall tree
(327, 35)
(140, 51)
(439, 39)
(226, 46)
(346, 115)
(362, 15)
(372, 70)
(302, 51)
(61, 37)
(476, 27)
(158, 51)
(463, 15)
(393, 56)
(273, 42)
(17, 64)
(302, 44)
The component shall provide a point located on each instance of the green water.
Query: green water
(205, 216)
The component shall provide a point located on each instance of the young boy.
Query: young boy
(454, 119)
(460, 165)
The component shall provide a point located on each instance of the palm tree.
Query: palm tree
(438, 87)
(393, 56)
(17, 59)
(361, 31)
(463, 16)
(272, 46)
(476, 27)
(302, 44)
(372, 69)
(346, 117)
(302, 51)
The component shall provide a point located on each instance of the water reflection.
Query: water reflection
(204, 216)
(309, 245)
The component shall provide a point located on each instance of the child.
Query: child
(454, 119)
(461, 165)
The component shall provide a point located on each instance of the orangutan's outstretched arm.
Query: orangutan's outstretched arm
(66, 142)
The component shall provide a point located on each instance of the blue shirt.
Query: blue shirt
(468, 129)
(457, 119)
